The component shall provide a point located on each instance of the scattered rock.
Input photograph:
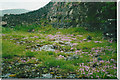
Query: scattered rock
(6, 75)
(89, 38)
(99, 59)
(71, 76)
(72, 57)
(48, 76)
(47, 48)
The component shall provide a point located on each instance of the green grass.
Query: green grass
(30, 54)
(49, 59)
(10, 50)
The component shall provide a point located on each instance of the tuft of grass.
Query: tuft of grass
(6, 30)
(9, 50)
(30, 54)
(68, 67)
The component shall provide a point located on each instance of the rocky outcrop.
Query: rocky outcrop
(66, 14)
(58, 14)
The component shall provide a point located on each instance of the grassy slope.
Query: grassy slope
(12, 50)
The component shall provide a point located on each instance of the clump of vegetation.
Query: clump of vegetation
(30, 54)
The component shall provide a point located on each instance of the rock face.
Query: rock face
(65, 14)
(58, 14)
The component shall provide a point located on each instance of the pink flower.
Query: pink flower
(24, 61)
(28, 60)
(80, 69)
(81, 41)
(91, 76)
(112, 59)
(103, 70)
(97, 76)
(35, 36)
(56, 51)
(83, 72)
(60, 57)
(109, 49)
(86, 69)
(101, 61)
(115, 67)
(66, 39)
(105, 66)
(88, 40)
(74, 38)
(3, 34)
(86, 52)
(72, 48)
(83, 69)
(80, 35)
(25, 38)
(74, 43)
(106, 72)
(61, 51)
(96, 50)
(71, 35)
(97, 70)
(83, 52)
(76, 51)
(107, 61)
(93, 48)
(69, 40)
(33, 58)
(97, 41)
(82, 63)
(111, 41)
(90, 73)
(50, 35)
(84, 39)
